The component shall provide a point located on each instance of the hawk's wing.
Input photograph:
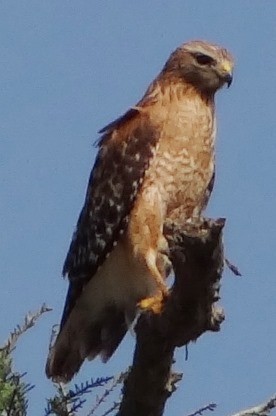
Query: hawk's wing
(126, 149)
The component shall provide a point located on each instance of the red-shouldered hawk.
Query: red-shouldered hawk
(153, 162)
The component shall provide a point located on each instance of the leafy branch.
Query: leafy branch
(29, 321)
(13, 390)
(66, 403)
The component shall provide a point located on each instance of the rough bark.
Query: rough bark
(196, 253)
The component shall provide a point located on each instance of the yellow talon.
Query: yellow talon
(153, 304)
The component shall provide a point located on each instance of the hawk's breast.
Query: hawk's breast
(184, 163)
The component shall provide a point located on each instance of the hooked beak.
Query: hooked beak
(228, 79)
(227, 72)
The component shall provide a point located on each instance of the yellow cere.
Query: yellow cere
(227, 66)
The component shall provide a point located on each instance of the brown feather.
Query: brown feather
(154, 162)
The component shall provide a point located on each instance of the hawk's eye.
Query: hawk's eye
(204, 59)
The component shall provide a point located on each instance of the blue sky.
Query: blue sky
(67, 69)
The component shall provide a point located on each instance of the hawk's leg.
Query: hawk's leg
(163, 262)
(148, 246)
(159, 266)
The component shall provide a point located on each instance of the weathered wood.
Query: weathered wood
(196, 253)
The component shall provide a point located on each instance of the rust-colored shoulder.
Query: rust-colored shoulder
(132, 112)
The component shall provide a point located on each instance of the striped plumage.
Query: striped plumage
(154, 162)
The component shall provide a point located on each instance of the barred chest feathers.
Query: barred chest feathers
(183, 167)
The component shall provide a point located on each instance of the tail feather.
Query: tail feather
(112, 333)
(80, 339)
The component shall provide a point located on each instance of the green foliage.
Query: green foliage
(13, 390)
(66, 402)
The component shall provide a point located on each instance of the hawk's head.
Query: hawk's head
(205, 65)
